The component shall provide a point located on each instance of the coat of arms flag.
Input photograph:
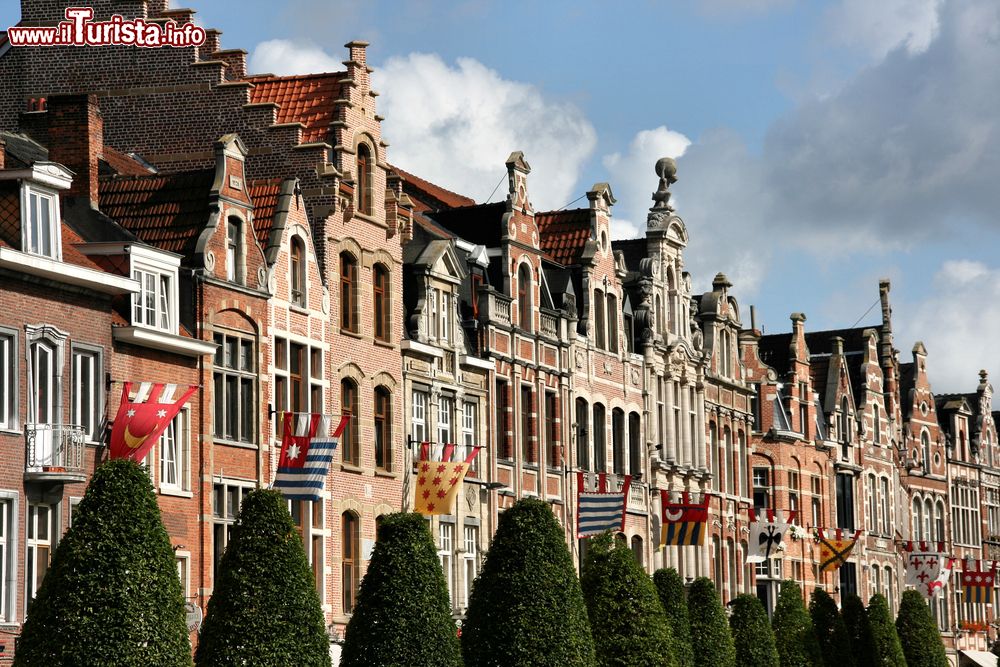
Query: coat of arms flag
(927, 566)
(143, 417)
(767, 531)
(835, 546)
(438, 479)
(307, 446)
(683, 521)
(977, 580)
(600, 510)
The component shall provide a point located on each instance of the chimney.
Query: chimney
(797, 345)
(3, 153)
(76, 141)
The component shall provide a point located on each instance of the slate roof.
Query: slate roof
(164, 210)
(306, 99)
(773, 351)
(480, 224)
(563, 235)
(427, 196)
(635, 250)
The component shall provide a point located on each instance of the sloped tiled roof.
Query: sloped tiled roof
(165, 210)
(264, 195)
(306, 99)
(427, 196)
(563, 235)
(122, 164)
(480, 224)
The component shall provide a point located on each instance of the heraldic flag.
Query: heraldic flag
(835, 546)
(143, 417)
(927, 567)
(307, 446)
(438, 481)
(683, 522)
(601, 510)
(977, 583)
(767, 530)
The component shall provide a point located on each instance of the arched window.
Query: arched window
(844, 425)
(878, 425)
(925, 450)
(349, 408)
(731, 557)
(524, 313)
(928, 520)
(988, 448)
(871, 511)
(713, 448)
(383, 428)
(364, 179)
(727, 439)
(600, 444)
(599, 337)
(612, 323)
(234, 250)
(637, 550)
(380, 301)
(582, 434)
(918, 519)
(724, 353)
(298, 272)
(348, 292)
(618, 440)
(634, 444)
(349, 539)
(671, 315)
(741, 473)
(939, 515)
(657, 316)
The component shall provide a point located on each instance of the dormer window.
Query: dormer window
(40, 213)
(154, 306)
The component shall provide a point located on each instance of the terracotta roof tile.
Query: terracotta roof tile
(427, 196)
(264, 195)
(306, 99)
(71, 255)
(563, 235)
(123, 164)
(164, 210)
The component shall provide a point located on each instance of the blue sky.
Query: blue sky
(820, 145)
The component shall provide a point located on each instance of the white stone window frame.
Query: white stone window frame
(51, 197)
(164, 268)
(181, 433)
(470, 558)
(96, 408)
(9, 513)
(9, 380)
(418, 415)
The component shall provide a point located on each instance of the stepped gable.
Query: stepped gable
(306, 99)
(427, 196)
(563, 235)
(164, 210)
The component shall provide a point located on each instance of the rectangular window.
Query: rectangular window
(444, 313)
(8, 380)
(469, 410)
(804, 409)
(7, 558)
(175, 449)
(845, 501)
(849, 579)
(41, 234)
(551, 431)
(235, 382)
(418, 417)
(151, 305)
(613, 323)
(86, 400)
(504, 421)
(599, 320)
(446, 539)
(470, 560)
(42, 532)
(527, 418)
(761, 488)
(183, 562)
(884, 504)
(308, 518)
(226, 501)
(446, 408)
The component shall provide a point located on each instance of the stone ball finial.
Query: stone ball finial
(666, 168)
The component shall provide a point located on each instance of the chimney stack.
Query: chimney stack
(76, 141)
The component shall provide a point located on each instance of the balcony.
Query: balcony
(549, 324)
(54, 453)
(637, 500)
(498, 308)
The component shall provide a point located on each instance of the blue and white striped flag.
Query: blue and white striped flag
(598, 511)
(307, 448)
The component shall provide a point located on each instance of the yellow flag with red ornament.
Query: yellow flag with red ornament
(438, 481)
(835, 547)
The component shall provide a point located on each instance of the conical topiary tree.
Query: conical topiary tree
(403, 615)
(886, 649)
(627, 620)
(670, 588)
(918, 633)
(752, 633)
(526, 606)
(111, 595)
(709, 628)
(793, 631)
(265, 609)
(831, 632)
(858, 629)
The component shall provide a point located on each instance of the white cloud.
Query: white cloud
(456, 126)
(955, 321)
(882, 25)
(283, 56)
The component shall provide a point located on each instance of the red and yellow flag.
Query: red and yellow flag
(835, 548)
(438, 481)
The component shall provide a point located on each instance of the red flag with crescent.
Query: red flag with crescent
(143, 418)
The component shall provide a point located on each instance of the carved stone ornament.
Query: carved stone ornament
(261, 277)
(210, 261)
(658, 219)
(579, 360)
(326, 301)
(272, 282)
(634, 377)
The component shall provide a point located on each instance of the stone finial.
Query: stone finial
(666, 169)
(721, 282)
(984, 378)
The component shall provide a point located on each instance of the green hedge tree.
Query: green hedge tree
(526, 606)
(918, 633)
(709, 628)
(111, 595)
(265, 609)
(670, 587)
(793, 631)
(831, 631)
(627, 620)
(859, 629)
(752, 634)
(403, 615)
(886, 649)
